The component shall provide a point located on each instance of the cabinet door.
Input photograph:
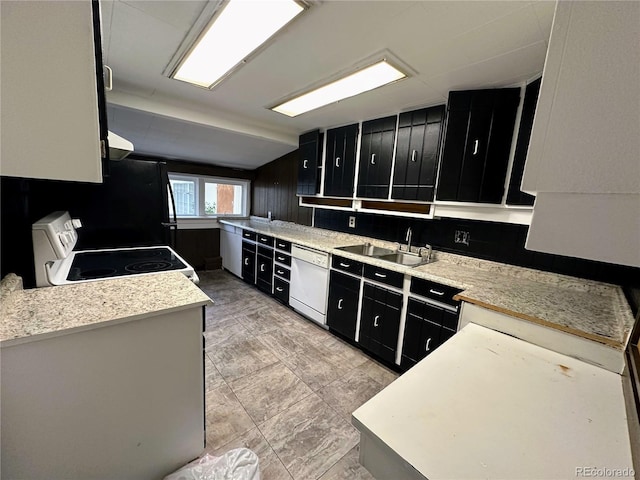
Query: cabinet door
(380, 321)
(417, 151)
(477, 145)
(342, 309)
(514, 195)
(340, 162)
(309, 155)
(264, 273)
(249, 265)
(376, 155)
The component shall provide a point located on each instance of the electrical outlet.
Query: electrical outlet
(463, 237)
(352, 222)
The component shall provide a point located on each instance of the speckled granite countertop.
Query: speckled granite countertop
(39, 313)
(593, 310)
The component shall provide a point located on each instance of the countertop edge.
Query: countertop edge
(94, 326)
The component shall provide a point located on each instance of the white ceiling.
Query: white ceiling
(449, 45)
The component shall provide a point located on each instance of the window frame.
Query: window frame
(201, 181)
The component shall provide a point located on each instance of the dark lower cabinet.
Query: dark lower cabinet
(342, 308)
(417, 151)
(281, 290)
(380, 321)
(477, 144)
(310, 152)
(340, 161)
(249, 262)
(264, 272)
(426, 328)
(376, 156)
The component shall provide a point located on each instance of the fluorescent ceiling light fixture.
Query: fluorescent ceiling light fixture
(363, 80)
(240, 28)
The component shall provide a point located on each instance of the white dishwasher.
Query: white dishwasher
(309, 283)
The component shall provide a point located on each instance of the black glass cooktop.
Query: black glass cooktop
(117, 263)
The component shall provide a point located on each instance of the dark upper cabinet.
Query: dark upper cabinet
(342, 307)
(514, 195)
(477, 144)
(417, 152)
(340, 161)
(376, 156)
(380, 321)
(310, 152)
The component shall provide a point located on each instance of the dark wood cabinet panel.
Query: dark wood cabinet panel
(417, 152)
(477, 145)
(376, 157)
(249, 262)
(340, 161)
(281, 290)
(264, 273)
(380, 321)
(426, 328)
(346, 264)
(514, 195)
(342, 308)
(310, 145)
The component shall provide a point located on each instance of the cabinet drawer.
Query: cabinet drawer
(283, 245)
(383, 275)
(249, 247)
(346, 265)
(436, 291)
(281, 290)
(265, 239)
(282, 258)
(248, 234)
(267, 252)
(281, 271)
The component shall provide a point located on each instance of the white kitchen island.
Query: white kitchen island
(102, 379)
(487, 405)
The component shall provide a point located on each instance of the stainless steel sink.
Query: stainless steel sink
(367, 250)
(403, 258)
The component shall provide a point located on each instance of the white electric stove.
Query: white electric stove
(56, 263)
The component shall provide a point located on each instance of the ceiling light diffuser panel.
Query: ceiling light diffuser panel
(363, 80)
(237, 31)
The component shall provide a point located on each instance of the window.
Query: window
(199, 196)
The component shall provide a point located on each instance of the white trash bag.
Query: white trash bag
(237, 464)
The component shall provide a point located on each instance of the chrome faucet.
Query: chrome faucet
(408, 239)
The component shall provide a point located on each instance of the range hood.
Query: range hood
(119, 147)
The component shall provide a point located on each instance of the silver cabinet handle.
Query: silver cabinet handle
(340, 304)
(375, 320)
(262, 267)
(279, 289)
(345, 265)
(304, 163)
(281, 245)
(337, 161)
(436, 292)
(280, 258)
(381, 275)
(373, 159)
(413, 155)
(279, 272)
(428, 342)
(475, 147)
(246, 261)
(263, 239)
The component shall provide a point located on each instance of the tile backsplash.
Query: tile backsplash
(500, 242)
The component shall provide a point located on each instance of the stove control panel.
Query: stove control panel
(55, 235)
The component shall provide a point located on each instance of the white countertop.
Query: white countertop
(487, 405)
(35, 314)
(589, 309)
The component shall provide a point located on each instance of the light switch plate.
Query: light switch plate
(352, 222)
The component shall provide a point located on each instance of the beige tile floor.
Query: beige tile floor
(280, 385)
